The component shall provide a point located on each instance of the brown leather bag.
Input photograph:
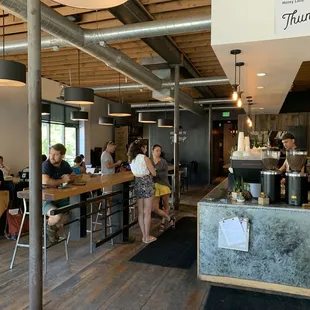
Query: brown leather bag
(13, 223)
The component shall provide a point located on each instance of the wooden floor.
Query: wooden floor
(102, 280)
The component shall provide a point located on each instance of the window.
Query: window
(59, 128)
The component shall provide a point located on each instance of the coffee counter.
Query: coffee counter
(278, 259)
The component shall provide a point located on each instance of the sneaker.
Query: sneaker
(51, 232)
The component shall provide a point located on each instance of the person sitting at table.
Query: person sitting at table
(55, 171)
(162, 187)
(4, 169)
(83, 165)
(44, 158)
(77, 168)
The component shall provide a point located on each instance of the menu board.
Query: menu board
(121, 140)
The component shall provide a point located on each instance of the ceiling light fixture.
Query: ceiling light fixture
(11, 73)
(239, 102)
(106, 121)
(46, 109)
(261, 74)
(79, 95)
(79, 116)
(119, 109)
(91, 4)
(235, 85)
(147, 118)
(260, 87)
(165, 122)
(261, 108)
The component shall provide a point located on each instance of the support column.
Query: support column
(35, 151)
(176, 137)
(210, 146)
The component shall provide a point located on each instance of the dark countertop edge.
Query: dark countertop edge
(218, 198)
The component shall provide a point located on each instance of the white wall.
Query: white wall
(14, 145)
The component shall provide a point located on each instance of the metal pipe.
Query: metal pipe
(176, 137)
(171, 110)
(150, 29)
(124, 32)
(210, 146)
(35, 151)
(204, 81)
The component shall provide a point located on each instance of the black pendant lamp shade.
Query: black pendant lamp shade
(12, 73)
(165, 123)
(119, 109)
(147, 118)
(79, 95)
(46, 109)
(79, 116)
(106, 121)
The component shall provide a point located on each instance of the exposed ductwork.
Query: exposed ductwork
(170, 104)
(125, 32)
(171, 110)
(133, 12)
(204, 81)
(59, 26)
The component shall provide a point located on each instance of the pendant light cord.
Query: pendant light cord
(239, 78)
(79, 71)
(235, 69)
(3, 35)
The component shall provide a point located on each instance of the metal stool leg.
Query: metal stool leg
(44, 244)
(17, 244)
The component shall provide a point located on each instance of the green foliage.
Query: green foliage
(239, 185)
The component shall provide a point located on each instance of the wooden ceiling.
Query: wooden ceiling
(56, 65)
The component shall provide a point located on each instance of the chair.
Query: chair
(64, 239)
(184, 178)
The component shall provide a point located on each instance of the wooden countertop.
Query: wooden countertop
(97, 182)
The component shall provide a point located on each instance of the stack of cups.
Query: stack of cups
(247, 144)
(241, 142)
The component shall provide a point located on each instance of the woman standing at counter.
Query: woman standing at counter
(143, 170)
(162, 187)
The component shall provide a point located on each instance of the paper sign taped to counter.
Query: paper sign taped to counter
(234, 234)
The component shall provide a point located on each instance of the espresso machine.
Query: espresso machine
(296, 185)
(271, 176)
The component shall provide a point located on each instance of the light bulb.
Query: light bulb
(234, 96)
(239, 103)
(250, 123)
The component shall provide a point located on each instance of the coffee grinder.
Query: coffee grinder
(271, 176)
(296, 181)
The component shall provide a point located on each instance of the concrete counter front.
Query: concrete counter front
(279, 246)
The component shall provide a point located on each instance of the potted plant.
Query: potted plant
(237, 188)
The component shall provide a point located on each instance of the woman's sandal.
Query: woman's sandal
(162, 227)
(172, 222)
(151, 239)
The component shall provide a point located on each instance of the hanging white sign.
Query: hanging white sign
(292, 17)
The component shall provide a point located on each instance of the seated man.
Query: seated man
(55, 172)
(5, 169)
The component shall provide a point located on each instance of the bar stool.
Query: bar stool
(64, 239)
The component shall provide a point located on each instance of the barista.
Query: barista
(288, 141)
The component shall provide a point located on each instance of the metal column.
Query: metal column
(35, 151)
(210, 146)
(176, 137)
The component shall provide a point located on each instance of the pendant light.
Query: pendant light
(91, 4)
(235, 52)
(239, 101)
(249, 120)
(106, 121)
(147, 118)
(11, 73)
(46, 109)
(79, 116)
(79, 95)
(119, 109)
(165, 122)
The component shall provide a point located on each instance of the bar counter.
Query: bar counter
(278, 259)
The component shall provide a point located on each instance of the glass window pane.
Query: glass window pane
(45, 138)
(70, 143)
(57, 134)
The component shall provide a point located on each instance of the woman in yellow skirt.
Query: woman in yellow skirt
(162, 187)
